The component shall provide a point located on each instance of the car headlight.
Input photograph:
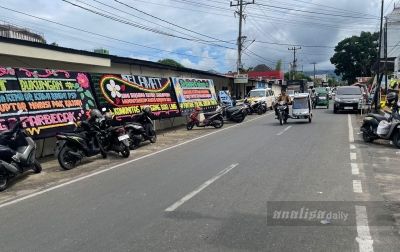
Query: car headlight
(337, 99)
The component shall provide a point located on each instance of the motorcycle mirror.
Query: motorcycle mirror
(20, 112)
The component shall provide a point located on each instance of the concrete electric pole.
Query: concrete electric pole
(241, 39)
(294, 49)
(314, 63)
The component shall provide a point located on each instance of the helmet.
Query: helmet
(313, 90)
(392, 97)
(108, 116)
(95, 113)
(147, 109)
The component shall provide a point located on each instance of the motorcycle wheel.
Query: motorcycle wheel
(153, 139)
(249, 112)
(133, 141)
(265, 110)
(3, 183)
(241, 119)
(309, 119)
(219, 125)
(125, 150)
(280, 118)
(37, 167)
(396, 140)
(259, 111)
(366, 137)
(189, 125)
(103, 152)
(64, 159)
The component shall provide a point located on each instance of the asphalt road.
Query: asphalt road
(217, 193)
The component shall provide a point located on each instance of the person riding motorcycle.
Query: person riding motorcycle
(141, 117)
(285, 98)
(313, 95)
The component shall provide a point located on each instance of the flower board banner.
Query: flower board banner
(126, 95)
(50, 99)
(195, 92)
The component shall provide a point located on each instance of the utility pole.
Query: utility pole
(385, 55)
(378, 84)
(294, 60)
(241, 38)
(314, 63)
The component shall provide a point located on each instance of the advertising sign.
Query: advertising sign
(49, 98)
(225, 97)
(126, 95)
(260, 85)
(192, 92)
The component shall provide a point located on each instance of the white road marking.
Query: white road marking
(283, 131)
(209, 182)
(364, 238)
(122, 164)
(353, 156)
(357, 188)
(352, 147)
(354, 169)
(351, 135)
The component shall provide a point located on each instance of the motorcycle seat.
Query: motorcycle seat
(211, 113)
(232, 109)
(377, 117)
(74, 135)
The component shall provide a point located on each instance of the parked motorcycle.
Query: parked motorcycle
(113, 138)
(142, 129)
(254, 107)
(371, 126)
(17, 153)
(73, 147)
(201, 119)
(234, 114)
(282, 115)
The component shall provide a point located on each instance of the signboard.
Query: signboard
(260, 85)
(126, 95)
(225, 97)
(49, 98)
(241, 78)
(192, 92)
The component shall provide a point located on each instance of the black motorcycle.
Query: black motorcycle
(371, 122)
(233, 114)
(17, 154)
(73, 147)
(281, 108)
(254, 107)
(141, 130)
(114, 138)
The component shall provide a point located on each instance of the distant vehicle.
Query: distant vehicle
(348, 98)
(264, 95)
(298, 86)
(290, 92)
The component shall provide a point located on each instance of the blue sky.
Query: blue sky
(274, 25)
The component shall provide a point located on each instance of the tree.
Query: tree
(299, 76)
(250, 69)
(278, 66)
(54, 44)
(330, 82)
(170, 62)
(353, 56)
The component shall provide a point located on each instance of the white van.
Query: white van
(264, 94)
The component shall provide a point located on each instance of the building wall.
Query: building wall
(46, 146)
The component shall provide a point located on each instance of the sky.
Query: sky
(201, 34)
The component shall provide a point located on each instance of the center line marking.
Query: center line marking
(364, 236)
(283, 131)
(357, 188)
(351, 135)
(190, 195)
(353, 156)
(354, 169)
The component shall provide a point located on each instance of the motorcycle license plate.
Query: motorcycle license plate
(348, 107)
(123, 137)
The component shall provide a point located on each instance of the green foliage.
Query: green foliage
(299, 76)
(330, 82)
(170, 62)
(278, 65)
(355, 55)
(250, 69)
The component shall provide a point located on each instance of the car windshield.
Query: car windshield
(290, 92)
(349, 91)
(257, 93)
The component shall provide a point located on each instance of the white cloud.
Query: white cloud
(203, 64)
